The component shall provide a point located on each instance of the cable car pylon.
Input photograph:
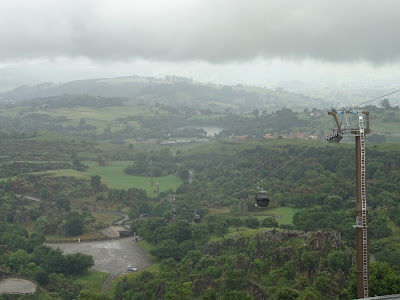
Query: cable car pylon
(361, 206)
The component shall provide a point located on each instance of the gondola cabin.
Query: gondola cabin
(262, 198)
(196, 218)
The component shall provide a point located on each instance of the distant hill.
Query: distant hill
(173, 91)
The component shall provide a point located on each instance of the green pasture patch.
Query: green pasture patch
(219, 210)
(56, 147)
(203, 117)
(10, 112)
(183, 147)
(86, 201)
(107, 219)
(238, 232)
(8, 178)
(146, 246)
(67, 173)
(115, 177)
(46, 136)
(41, 294)
(93, 234)
(106, 114)
(153, 269)
(225, 105)
(286, 214)
(101, 117)
(91, 280)
(393, 139)
(29, 227)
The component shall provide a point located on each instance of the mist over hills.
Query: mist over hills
(171, 90)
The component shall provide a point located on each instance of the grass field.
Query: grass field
(105, 218)
(153, 269)
(91, 280)
(284, 213)
(115, 177)
(103, 117)
(87, 235)
(219, 210)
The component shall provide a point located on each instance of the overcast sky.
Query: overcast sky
(257, 42)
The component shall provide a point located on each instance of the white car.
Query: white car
(130, 268)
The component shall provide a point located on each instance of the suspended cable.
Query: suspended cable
(285, 164)
(358, 105)
(248, 188)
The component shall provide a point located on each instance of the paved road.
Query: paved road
(113, 256)
(191, 176)
(17, 285)
(31, 198)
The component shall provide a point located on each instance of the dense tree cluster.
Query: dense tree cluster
(25, 255)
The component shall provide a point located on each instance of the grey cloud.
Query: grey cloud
(216, 31)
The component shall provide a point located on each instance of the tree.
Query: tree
(78, 263)
(95, 182)
(44, 193)
(252, 222)
(287, 294)
(338, 260)
(144, 208)
(255, 113)
(333, 201)
(379, 229)
(76, 163)
(18, 260)
(82, 122)
(269, 222)
(383, 280)
(385, 104)
(167, 249)
(42, 225)
(63, 203)
(73, 223)
(183, 172)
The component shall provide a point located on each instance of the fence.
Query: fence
(4, 277)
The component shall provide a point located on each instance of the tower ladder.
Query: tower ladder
(364, 216)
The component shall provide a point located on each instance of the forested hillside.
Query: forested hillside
(170, 91)
(156, 165)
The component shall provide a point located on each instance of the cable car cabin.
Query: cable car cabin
(334, 137)
(196, 218)
(262, 198)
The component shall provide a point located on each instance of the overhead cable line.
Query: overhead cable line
(285, 164)
(358, 105)
(248, 188)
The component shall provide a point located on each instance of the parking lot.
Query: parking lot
(112, 256)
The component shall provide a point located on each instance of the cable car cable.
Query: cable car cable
(284, 165)
(358, 105)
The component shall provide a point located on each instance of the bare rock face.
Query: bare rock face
(275, 247)
(318, 238)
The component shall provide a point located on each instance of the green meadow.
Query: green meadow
(103, 117)
(115, 177)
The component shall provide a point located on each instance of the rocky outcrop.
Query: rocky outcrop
(315, 240)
